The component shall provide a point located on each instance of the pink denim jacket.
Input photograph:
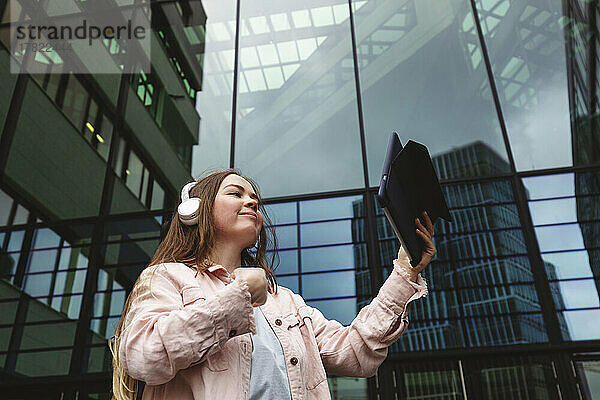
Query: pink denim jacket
(190, 337)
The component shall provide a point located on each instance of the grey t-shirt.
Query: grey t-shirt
(268, 375)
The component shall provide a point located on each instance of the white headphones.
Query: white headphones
(190, 207)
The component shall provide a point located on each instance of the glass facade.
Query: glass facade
(302, 97)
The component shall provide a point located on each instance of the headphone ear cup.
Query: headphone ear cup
(189, 210)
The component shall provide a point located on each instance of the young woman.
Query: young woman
(198, 326)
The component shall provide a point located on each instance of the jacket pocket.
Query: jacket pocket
(191, 294)
(315, 370)
(218, 361)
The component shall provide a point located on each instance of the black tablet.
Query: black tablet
(409, 186)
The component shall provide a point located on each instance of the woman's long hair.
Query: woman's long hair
(194, 246)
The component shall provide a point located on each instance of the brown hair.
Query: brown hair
(193, 246)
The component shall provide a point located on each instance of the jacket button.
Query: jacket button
(278, 322)
(232, 333)
(293, 361)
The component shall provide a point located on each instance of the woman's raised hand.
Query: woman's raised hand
(258, 285)
(426, 234)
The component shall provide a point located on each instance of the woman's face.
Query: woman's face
(235, 211)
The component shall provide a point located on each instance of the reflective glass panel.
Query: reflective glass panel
(327, 258)
(581, 324)
(546, 186)
(576, 294)
(591, 377)
(326, 233)
(214, 101)
(504, 330)
(570, 264)
(342, 310)
(526, 46)
(430, 335)
(332, 208)
(290, 282)
(297, 122)
(406, 89)
(560, 237)
(329, 284)
(282, 213)
(288, 262)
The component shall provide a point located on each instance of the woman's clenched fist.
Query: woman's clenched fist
(258, 285)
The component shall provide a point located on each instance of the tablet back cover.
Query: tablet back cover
(408, 187)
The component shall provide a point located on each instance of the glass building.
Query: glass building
(302, 96)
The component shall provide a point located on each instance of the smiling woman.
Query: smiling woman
(207, 311)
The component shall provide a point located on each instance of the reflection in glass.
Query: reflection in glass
(288, 262)
(327, 258)
(44, 363)
(426, 380)
(576, 294)
(287, 236)
(329, 284)
(445, 105)
(290, 282)
(42, 260)
(320, 233)
(214, 101)
(297, 123)
(45, 238)
(48, 335)
(527, 51)
(342, 388)
(38, 284)
(589, 375)
(570, 264)
(517, 378)
(547, 186)
(582, 324)
(282, 213)
(559, 237)
(342, 310)
(332, 208)
(553, 211)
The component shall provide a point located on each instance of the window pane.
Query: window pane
(134, 174)
(582, 324)
(42, 260)
(290, 282)
(333, 208)
(297, 120)
(530, 71)
(565, 265)
(559, 237)
(75, 101)
(576, 294)
(216, 97)
(282, 213)
(287, 236)
(45, 238)
(288, 262)
(541, 187)
(503, 330)
(406, 89)
(342, 310)
(5, 207)
(327, 258)
(553, 211)
(158, 197)
(329, 284)
(326, 233)
(38, 284)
